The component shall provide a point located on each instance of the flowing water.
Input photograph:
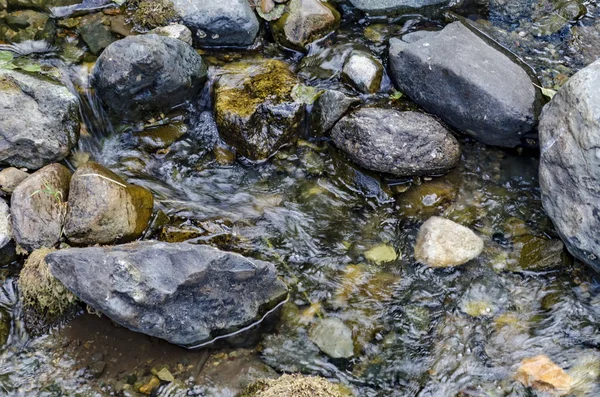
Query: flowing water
(416, 331)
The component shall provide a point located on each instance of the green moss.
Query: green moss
(40, 290)
(150, 14)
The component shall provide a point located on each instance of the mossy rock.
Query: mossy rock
(41, 291)
(295, 386)
(150, 14)
(427, 199)
(536, 253)
(254, 107)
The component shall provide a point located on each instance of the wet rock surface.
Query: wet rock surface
(398, 143)
(142, 74)
(104, 209)
(151, 287)
(230, 23)
(363, 71)
(485, 95)
(569, 144)
(329, 108)
(254, 108)
(390, 6)
(38, 207)
(49, 131)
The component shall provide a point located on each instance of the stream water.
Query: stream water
(416, 331)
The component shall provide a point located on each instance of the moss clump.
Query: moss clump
(295, 386)
(40, 290)
(150, 14)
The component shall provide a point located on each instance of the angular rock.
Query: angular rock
(38, 207)
(175, 31)
(329, 108)
(5, 225)
(457, 76)
(219, 23)
(334, 338)
(304, 22)
(51, 128)
(363, 71)
(104, 209)
(10, 178)
(397, 143)
(390, 6)
(254, 108)
(541, 373)
(570, 158)
(96, 33)
(443, 243)
(184, 293)
(142, 74)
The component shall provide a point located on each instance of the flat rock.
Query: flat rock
(569, 163)
(541, 373)
(183, 293)
(150, 73)
(475, 88)
(329, 108)
(333, 337)
(398, 143)
(444, 243)
(104, 209)
(219, 23)
(390, 6)
(38, 207)
(51, 128)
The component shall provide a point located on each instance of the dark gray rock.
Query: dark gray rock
(389, 6)
(51, 128)
(470, 85)
(141, 74)
(219, 23)
(183, 293)
(570, 159)
(38, 207)
(398, 143)
(331, 106)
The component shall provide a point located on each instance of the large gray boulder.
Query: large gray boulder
(457, 76)
(397, 143)
(388, 6)
(141, 74)
(183, 293)
(570, 163)
(38, 207)
(219, 23)
(51, 128)
(104, 208)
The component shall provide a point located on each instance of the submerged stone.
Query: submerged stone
(443, 243)
(541, 373)
(51, 128)
(333, 337)
(457, 76)
(254, 107)
(183, 293)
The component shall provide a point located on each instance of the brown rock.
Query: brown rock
(10, 178)
(541, 373)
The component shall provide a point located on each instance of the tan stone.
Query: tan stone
(541, 373)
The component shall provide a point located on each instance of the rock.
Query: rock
(142, 74)
(535, 253)
(485, 95)
(363, 71)
(165, 375)
(219, 23)
(97, 368)
(51, 128)
(254, 108)
(38, 207)
(25, 25)
(175, 31)
(570, 156)
(295, 386)
(5, 224)
(427, 199)
(149, 387)
(10, 178)
(391, 6)
(153, 287)
(329, 108)
(443, 243)
(334, 338)
(397, 143)
(96, 34)
(541, 373)
(304, 22)
(104, 209)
